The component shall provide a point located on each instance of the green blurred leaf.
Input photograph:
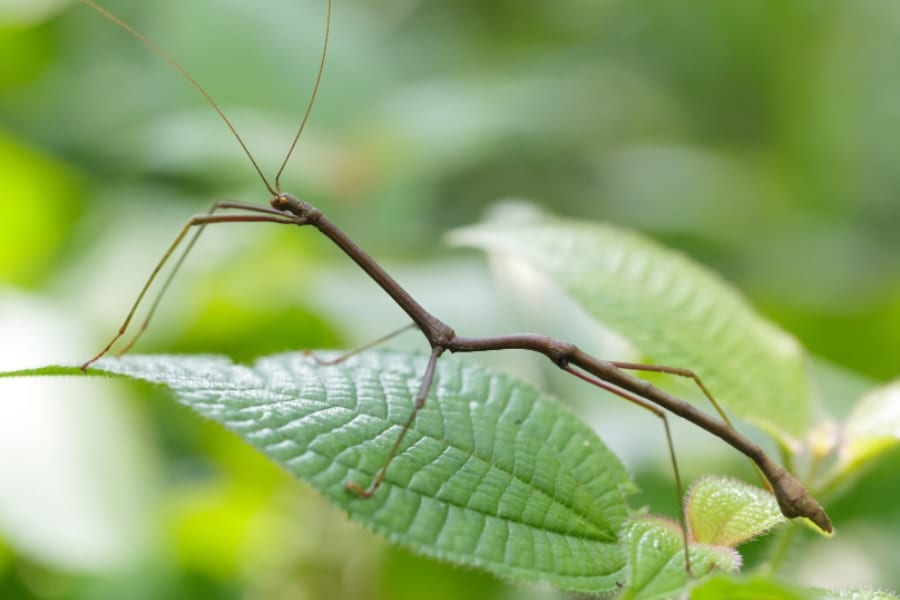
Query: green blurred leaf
(656, 566)
(857, 595)
(22, 12)
(757, 588)
(676, 313)
(872, 428)
(40, 201)
(244, 331)
(761, 588)
(493, 475)
(727, 512)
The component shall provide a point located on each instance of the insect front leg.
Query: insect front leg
(264, 215)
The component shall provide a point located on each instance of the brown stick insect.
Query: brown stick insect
(613, 376)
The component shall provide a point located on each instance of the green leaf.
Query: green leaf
(674, 311)
(656, 566)
(34, 226)
(493, 474)
(857, 595)
(760, 588)
(756, 588)
(727, 512)
(872, 428)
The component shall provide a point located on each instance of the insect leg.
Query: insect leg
(681, 372)
(220, 205)
(419, 403)
(267, 216)
(334, 361)
(635, 399)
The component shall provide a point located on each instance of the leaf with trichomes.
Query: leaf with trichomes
(493, 474)
(727, 512)
(674, 311)
(656, 568)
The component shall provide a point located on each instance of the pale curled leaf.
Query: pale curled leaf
(494, 474)
(656, 568)
(873, 426)
(674, 311)
(727, 512)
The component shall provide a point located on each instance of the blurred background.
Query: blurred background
(761, 138)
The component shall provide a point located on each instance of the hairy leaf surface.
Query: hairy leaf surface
(656, 568)
(728, 512)
(494, 474)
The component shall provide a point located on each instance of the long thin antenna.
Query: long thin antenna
(312, 100)
(137, 34)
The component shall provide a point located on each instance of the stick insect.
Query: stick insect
(285, 209)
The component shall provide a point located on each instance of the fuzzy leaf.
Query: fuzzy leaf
(656, 568)
(727, 512)
(873, 426)
(493, 474)
(674, 311)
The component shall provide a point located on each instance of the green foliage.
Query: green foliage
(675, 312)
(727, 512)
(859, 595)
(720, 587)
(872, 429)
(494, 474)
(657, 564)
(762, 588)
(767, 152)
(34, 226)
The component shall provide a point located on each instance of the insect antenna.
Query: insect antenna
(162, 54)
(309, 105)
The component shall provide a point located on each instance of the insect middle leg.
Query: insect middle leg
(419, 402)
(342, 357)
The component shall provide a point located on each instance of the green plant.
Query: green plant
(496, 475)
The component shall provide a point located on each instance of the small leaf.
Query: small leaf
(727, 512)
(656, 566)
(493, 474)
(873, 427)
(756, 588)
(673, 310)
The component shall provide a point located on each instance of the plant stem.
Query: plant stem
(780, 550)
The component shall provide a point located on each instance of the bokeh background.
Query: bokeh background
(760, 137)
